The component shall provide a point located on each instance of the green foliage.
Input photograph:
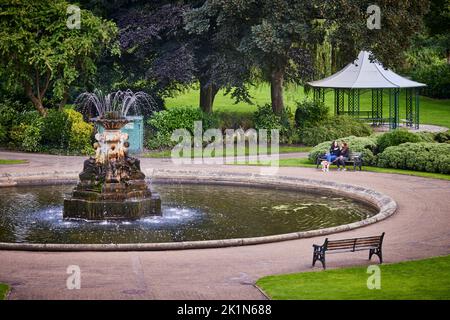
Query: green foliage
(426, 136)
(265, 118)
(163, 123)
(40, 53)
(333, 128)
(56, 129)
(310, 113)
(8, 114)
(80, 137)
(3, 134)
(366, 145)
(234, 120)
(429, 157)
(443, 137)
(394, 138)
(32, 138)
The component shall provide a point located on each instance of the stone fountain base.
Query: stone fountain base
(130, 200)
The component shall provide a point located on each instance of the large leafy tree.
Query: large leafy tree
(280, 36)
(276, 36)
(165, 48)
(42, 54)
(400, 21)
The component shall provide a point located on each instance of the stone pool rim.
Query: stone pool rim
(385, 205)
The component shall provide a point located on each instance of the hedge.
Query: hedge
(430, 157)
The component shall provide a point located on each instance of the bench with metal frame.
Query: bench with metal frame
(355, 159)
(373, 244)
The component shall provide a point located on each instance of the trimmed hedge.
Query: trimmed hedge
(429, 157)
(395, 138)
(366, 145)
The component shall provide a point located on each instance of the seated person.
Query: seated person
(343, 156)
(332, 155)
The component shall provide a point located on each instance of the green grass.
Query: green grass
(12, 161)
(433, 111)
(282, 149)
(4, 289)
(305, 162)
(412, 280)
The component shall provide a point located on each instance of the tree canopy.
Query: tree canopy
(42, 54)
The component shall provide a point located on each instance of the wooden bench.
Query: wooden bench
(355, 159)
(373, 244)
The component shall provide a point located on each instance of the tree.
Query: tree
(43, 55)
(437, 21)
(280, 36)
(275, 36)
(400, 21)
(163, 47)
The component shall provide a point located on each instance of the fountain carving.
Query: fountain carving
(112, 185)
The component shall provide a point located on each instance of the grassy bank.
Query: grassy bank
(432, 111)
(415, 280)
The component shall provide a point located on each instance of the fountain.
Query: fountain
(112, 185)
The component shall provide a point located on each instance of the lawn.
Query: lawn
(412, 280)
(282, 149)
(12, 161)
(4, 289)
(433, 111)
(305, 162)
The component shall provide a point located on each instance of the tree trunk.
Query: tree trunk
(276, 91)
(207, 95)
(448, 56)
(37, 101)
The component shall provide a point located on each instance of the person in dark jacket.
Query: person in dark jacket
(343, 156)
(332, 155)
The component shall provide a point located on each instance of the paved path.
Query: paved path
(420, 228)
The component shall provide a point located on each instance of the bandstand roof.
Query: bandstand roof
(365, 74)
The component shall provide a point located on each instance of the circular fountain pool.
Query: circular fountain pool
(190, 212)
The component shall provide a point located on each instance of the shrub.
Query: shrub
(309, 113)
(426, 136)
(17, 134)
(32, 139)
(234, 120)
(423, 156)
(443, 137)
(3, 134)
(27, 136)
(80, 137)
(8, 116)
(56, 129)
(265, 118)
(163, 123)
(333, 128)
(394, 138)
(366, 145)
